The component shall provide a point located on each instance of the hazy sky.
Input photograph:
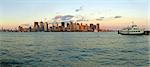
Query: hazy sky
(16, 12)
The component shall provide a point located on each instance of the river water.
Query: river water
(73, 49)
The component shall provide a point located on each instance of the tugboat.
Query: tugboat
(133, 30)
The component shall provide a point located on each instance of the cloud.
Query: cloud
(65, 18)
(79, 18)
(117, 16)
(68, 18)
(100, 19)
(79, 9)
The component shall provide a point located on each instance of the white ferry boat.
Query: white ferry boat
(133, 30)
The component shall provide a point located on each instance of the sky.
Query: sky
(16, 12)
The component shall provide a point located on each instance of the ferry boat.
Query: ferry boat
(133, 30)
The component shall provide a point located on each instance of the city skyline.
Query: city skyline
(113, 14)
(61, 27)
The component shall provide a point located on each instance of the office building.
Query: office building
(67, 24)
(63, 24)
(86, 28)
(41, 26)
(20, 29)
(92, 27)
(97, 27)
(78, 27)
(46, 27)
(68, 27)
(74, 27)
(30, 29)
(71, 26)
(36, 27)
(81, 27)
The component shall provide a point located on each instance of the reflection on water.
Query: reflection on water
(89, 49)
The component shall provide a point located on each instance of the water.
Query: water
(73, 49)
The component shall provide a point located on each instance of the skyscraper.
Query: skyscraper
(75, 26)
(46, 27)
(30, 29)
(71, 26)
(86, 27)
(67, 24)
(92, 27)
(36, 27)
(63, 24)
(68, 27)
(20, 29)
(81, 27)
(78, 27)
(97, 27)
(41, 26)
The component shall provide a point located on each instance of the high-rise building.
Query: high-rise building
(71, 26)
(97, 27)
(51, 29)
(36, 27)
(67, 24)
(20, 29)
(30, 29)
(46, 27)
(86, 27)
(74, 26)
(41, 26)
(92, 27)
(81, 27)
(68, 27)
(63, 24)
(78, 27)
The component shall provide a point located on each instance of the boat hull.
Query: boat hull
(144, 33)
